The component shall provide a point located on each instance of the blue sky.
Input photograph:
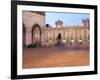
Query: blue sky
(67, 18)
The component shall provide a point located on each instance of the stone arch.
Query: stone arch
(24, 35)
(36, 33)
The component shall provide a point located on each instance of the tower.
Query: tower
(59, 23)
(85, 22)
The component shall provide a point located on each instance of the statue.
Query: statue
(59, 39)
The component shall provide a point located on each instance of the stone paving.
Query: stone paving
(54, 57)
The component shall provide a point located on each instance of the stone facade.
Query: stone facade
(36, 31)
(30, 19)
(70, 34)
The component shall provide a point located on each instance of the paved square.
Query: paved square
(54, 57)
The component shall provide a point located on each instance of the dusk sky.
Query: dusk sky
(67, 18)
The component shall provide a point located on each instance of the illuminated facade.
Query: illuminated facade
(36, 32)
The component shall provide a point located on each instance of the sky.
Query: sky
(67, 18)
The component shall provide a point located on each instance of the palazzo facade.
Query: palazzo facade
(35, 31)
